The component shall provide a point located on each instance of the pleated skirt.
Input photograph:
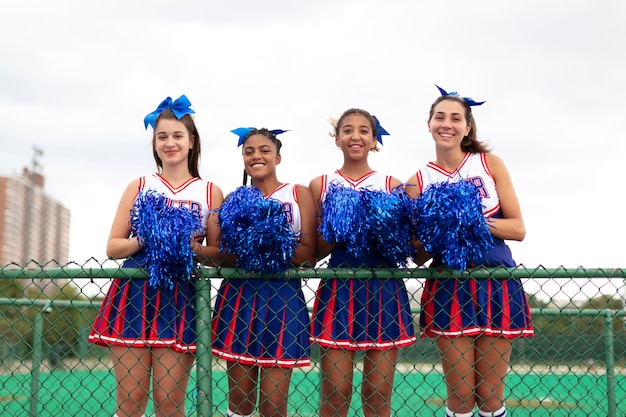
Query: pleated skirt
(471, 307)
(261, 322)
(362, 314)
(135, 314)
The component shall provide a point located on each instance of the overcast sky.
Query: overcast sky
(77, 78)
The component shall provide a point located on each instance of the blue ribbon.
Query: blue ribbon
(380, 131)
(243, 133)
(468, 100)
(180, 107)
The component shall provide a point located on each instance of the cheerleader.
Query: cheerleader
(261, 325)
(472, 320)
(349, 315)
(149, 324)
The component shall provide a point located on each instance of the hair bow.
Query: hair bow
(380, 131)
(243, 133)
(179, 107)
(468, 100)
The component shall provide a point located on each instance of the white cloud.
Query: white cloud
(77, 78)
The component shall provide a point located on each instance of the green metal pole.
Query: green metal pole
(609, 342)
(36, 359)
(204, 366)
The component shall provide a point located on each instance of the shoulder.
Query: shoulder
(302, 191)
(412, 186)
(214, 193)
(413, 179)
(136, 182)
(497, 168)
(494, 162)
(317, 181)
(394, 182)
(135, 185)
(315, 186)
(214, 187)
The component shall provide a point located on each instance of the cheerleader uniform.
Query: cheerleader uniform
(264, 321)
(134, 313)
(471, 307)
(361, 314)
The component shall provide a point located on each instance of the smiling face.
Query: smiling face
(355, 136)
(172, 142)
(260, 156)
(448, 124)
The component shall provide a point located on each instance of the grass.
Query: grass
(530, 392)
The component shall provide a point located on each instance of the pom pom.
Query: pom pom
(389, 223)
(364, 219)
(450, 223)
(166, 232)
(256, 229)
(343, 219)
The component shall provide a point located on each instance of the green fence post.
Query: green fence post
(204, 366)
(36, 358)
(609, 342)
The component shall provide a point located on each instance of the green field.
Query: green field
(91, 393)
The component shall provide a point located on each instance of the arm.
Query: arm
(209, 254)
(307, 250)
(395, 182)
(412, 187)
(323, 248)
(120, 245)
(511, 225)
(226, 259)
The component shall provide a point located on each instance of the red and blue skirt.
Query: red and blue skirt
(495, 307)
(135, 314)
(362, 314)
(261, 322)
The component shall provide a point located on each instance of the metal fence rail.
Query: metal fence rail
(577, 355)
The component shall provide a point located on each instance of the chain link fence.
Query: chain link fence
(575, 365)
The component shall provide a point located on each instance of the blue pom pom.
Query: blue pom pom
(165, 231)
(256, 229)
(365, 219)
(450, 223)
(389, 223)
(343, 219)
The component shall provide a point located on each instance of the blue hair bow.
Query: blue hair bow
(468, 100)
(380, 131)
(243, 133)
(179, 107)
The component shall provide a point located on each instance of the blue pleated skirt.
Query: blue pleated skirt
(362, 314)
(471, 307)
(262, 322)
(135, 314)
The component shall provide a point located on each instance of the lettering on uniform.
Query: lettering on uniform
(480, 184)
(191, 205)
(288, 209)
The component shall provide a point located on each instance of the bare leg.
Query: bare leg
(457, 358)
(274, 391)
(132, 373)
(170, 377)
(242, 388)
(378, 372)
(492, 364)
(337, 376)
